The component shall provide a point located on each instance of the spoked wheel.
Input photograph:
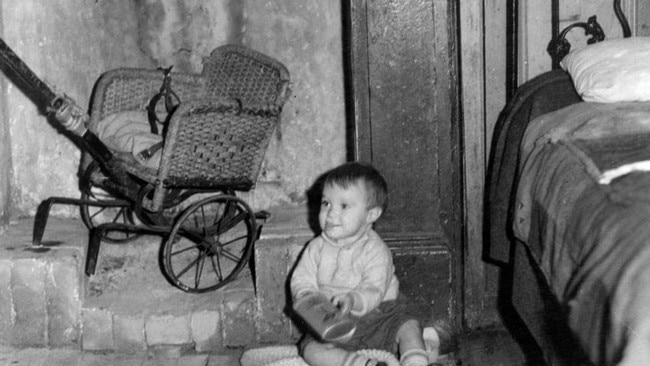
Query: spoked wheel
(209, 244)
(106, 208)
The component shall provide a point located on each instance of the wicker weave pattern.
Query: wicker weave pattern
(215, 146)
(131, 89)
(219, 134)
(254, 81)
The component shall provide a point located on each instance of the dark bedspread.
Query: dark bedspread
(583, 209)
(545, 93)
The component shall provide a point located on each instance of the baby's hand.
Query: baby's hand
(344, 302)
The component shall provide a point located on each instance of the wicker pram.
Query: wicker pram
(214, 145)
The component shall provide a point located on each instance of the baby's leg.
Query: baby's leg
(326, 354)
(411, 345)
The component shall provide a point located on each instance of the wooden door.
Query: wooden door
(404, 118)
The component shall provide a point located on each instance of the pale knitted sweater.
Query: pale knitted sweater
(363, 268)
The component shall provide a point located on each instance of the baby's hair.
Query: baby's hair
(351, 173)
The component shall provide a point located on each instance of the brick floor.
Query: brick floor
(65, 357)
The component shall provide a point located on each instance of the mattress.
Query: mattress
(582, 208)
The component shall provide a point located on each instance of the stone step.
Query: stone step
(130, 307)
(46, 300)
(41, 289)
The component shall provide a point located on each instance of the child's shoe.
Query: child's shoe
(431, 343)
(438, 340)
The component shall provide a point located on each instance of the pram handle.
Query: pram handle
(64, 109)
(21, 70)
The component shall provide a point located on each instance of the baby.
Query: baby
(351, 265)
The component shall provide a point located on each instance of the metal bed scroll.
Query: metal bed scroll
(560, 46)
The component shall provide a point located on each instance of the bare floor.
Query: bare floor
(495, 348)
(483, 348)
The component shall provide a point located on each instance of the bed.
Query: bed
(568, 208)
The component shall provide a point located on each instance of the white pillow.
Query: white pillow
(611, 71)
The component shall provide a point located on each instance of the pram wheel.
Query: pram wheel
(209, 244)
(105, 207)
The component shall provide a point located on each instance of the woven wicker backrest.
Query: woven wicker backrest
(128, 89)
(252, 78)
(220, 141)
(212, 146)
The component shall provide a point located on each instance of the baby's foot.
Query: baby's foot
(414, 357)
(431, 343)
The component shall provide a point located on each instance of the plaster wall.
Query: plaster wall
(5, 153)
(69, 44)
(307, 37)
(535, 28)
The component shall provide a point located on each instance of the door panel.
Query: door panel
(403, 115)
(402, 90)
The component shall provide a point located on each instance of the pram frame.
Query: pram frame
(215, 97)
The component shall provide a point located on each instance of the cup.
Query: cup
(325, 319)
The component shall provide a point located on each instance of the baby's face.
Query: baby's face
(344, 212)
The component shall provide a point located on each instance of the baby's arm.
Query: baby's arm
(377, 277)
(304, 277)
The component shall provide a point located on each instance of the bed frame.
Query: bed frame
(559, 46)
(529, 294)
